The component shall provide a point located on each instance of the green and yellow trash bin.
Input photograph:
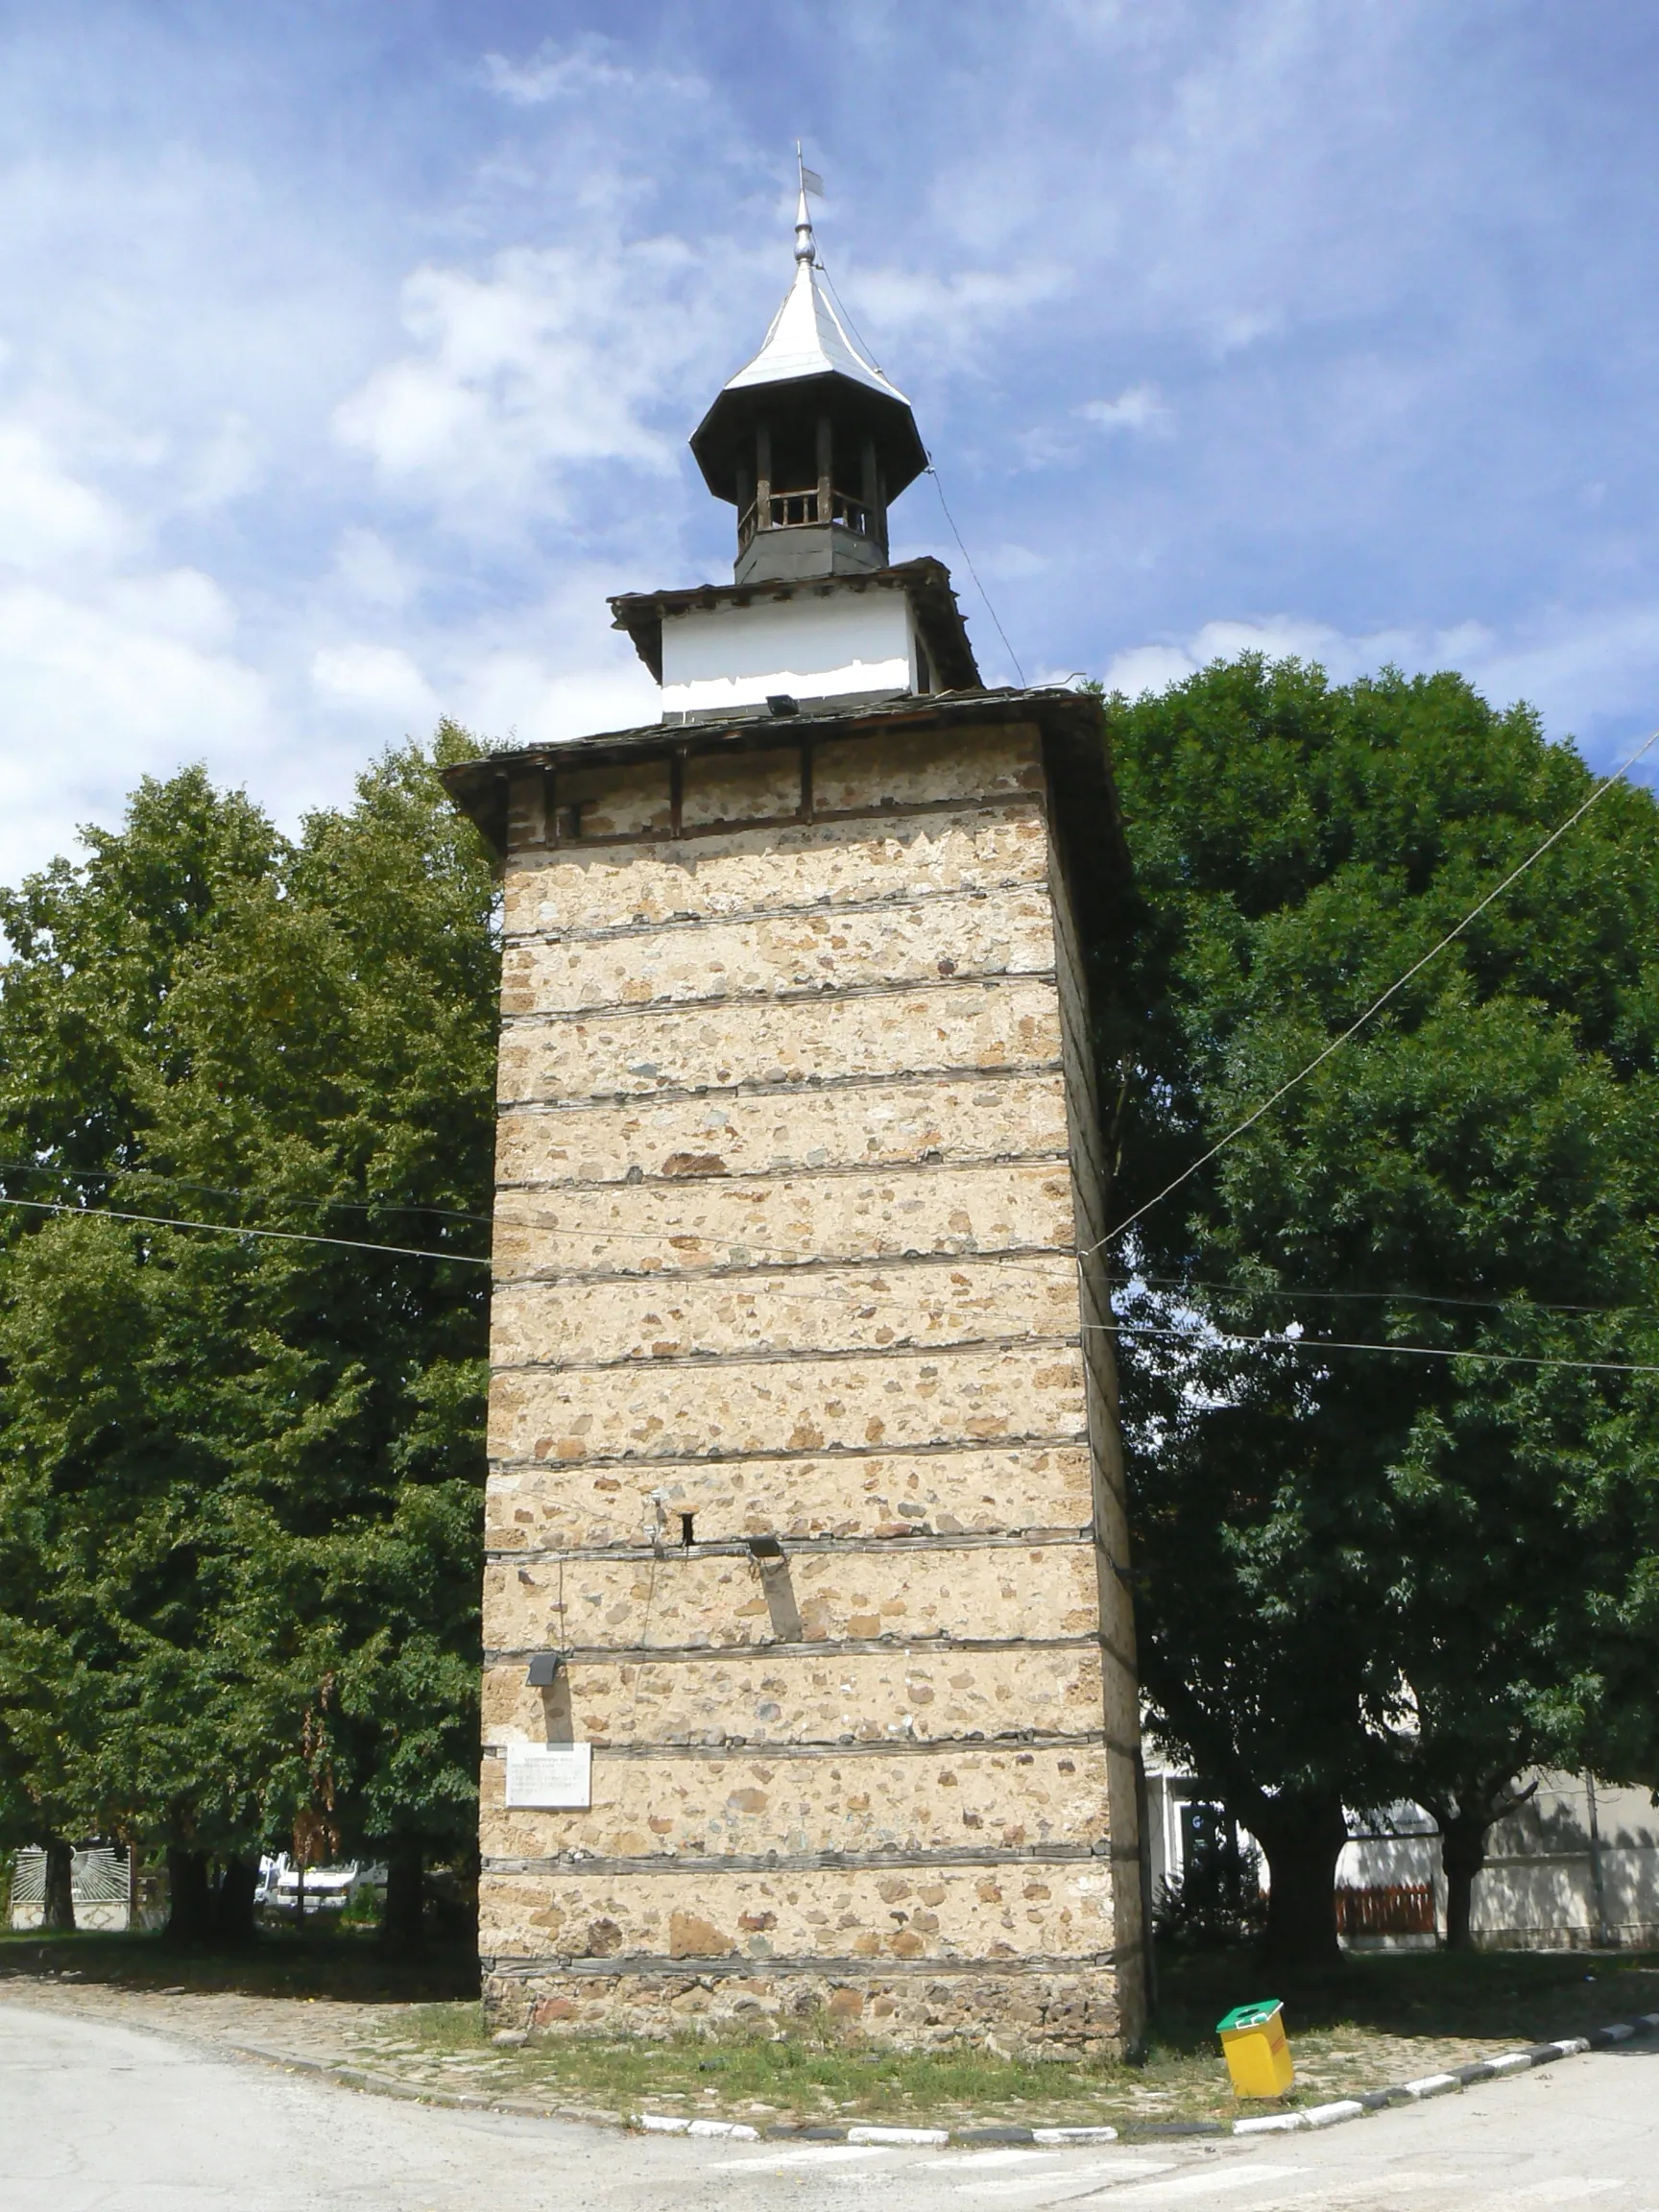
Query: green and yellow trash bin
(1258, 2055)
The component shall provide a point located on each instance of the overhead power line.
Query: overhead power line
(762, 1255)
(968, 558)
(229, 1229)
(1322, 1344)
(932, 471)
(372, 1205)
(1300, 1344)
(1514, 1305)
(1377, 1004)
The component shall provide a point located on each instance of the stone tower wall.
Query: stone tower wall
(797, 1151)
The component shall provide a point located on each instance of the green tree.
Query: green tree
(95, 953)
(1373, 1573)
(248, 1469)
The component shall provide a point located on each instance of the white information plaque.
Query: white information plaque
(550, 1774)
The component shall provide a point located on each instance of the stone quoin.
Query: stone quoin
(805, 1496)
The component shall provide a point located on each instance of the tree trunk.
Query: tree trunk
(189, 1900)
(58, 1916)
(1303, 1839)
(1465, 1822)
(233, 1901)
(403, 1926)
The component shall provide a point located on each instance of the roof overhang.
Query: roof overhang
(1087, 823)
(724, 433)
(926, 583)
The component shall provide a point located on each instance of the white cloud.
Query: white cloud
(1013, 563)
(1576, 671)
(180, 604)
(367, 569)
(1142, 668)
(375, 680)
(514, 690)
(590, 64)
(943, 321)
(1139, 409)
(225, 466)
(98, 694)
(550, 363)
(46, 515)
(1151, 667)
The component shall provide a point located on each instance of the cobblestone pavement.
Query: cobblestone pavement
(98, 2114)
(373, 2040)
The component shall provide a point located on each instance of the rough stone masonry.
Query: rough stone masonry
(803, 1450)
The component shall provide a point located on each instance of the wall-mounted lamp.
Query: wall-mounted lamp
(765, 1547)
(545, 1669)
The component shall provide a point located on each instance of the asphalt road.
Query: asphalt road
(95, 2118)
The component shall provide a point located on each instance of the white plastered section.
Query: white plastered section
(819, 643)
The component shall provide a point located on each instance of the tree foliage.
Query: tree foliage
(240, 1476)
(1375, 1573)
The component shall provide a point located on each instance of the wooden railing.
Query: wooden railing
(793, 510)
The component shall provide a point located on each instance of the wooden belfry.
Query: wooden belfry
(809, 1671)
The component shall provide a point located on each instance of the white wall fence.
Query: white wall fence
(1576, 1867)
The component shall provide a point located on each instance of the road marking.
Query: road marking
(814, 2155)
(1571, 2189)
(1068, 2176)
(1211, 2178)
(982, 2158)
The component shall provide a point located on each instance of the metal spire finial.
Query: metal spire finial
(811, 181)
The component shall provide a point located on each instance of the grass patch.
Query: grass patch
(1379, 2019)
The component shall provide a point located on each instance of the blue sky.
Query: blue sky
(347, 351)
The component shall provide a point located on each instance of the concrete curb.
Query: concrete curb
(1446, 2084)
(1313, 2116)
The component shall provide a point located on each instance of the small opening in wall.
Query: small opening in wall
(686, 1536)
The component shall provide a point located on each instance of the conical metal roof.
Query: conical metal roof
(808, 360)
(806, 337)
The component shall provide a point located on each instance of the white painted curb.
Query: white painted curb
(1443, 2084)
(1330, 2115)
(1431, 2085)
(898, 2134)
(670, 2123)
